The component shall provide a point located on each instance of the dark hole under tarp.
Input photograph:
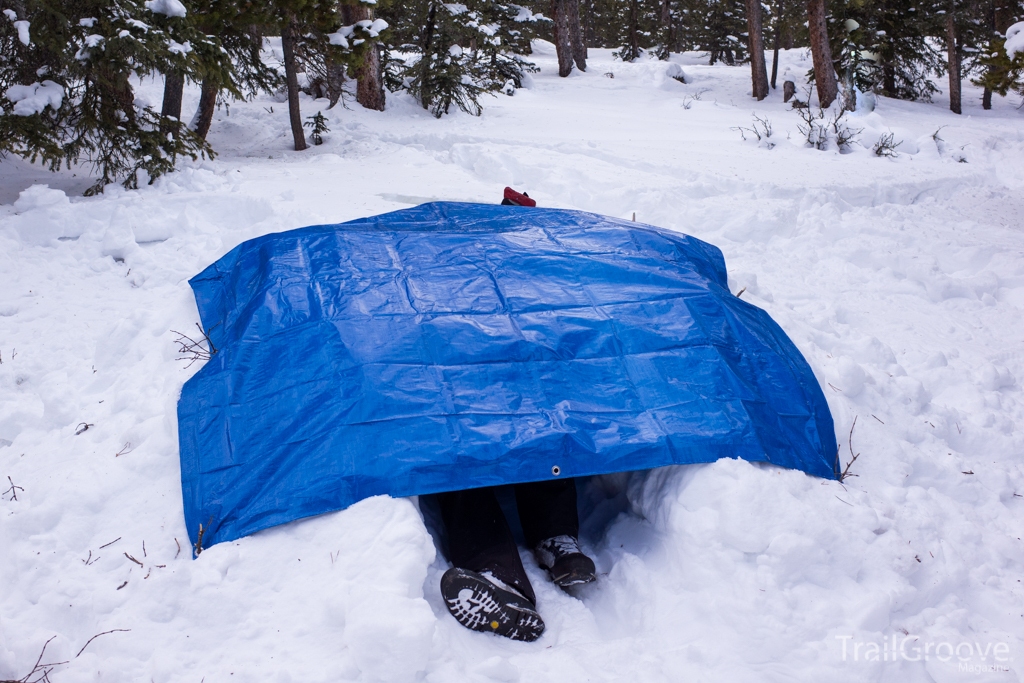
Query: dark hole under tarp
(451, 346)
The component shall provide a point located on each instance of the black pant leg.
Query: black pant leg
(547, 509)
(479, 538)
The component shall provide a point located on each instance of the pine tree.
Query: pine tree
(721, 30)
(457, 52)
(67, 77)
(1001, 73)
(239, 26)
(311, 33)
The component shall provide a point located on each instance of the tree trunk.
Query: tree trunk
(821, 53)
(634, 26)
(174, 87)
(563, 43)
(986, 99)
(953, 62)
(579, 48)
(889, 80)
(369, 84)
(666, 22)
(775, 53)
(335, 82)
(292, 79)
(207, 104)
(755, 44)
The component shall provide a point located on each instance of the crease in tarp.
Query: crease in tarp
(451, 346)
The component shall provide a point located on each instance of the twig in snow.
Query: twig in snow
(740, 293)
(111, 543)
(115, 630)
(834, 387)
(199, 536)
(194, 350)
(82, 428)
(874, 416)
(144, 548)
(124, 450)
(123, 584)
(40, 673)
(179, 548)
(90, 560)
(968, 472)
(133, 560)
(846, 472)
(13, 490)
(843, 501)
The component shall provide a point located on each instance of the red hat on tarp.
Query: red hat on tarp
(519, 199)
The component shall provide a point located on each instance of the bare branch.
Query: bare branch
(114, 630)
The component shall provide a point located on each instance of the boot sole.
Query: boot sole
(478, 604)
(571, 579)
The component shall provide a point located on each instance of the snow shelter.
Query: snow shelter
(453, 345)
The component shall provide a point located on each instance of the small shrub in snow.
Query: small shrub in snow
(824, 127)
(814, 127)
(886, 147)
(842, 132)
(761, 129)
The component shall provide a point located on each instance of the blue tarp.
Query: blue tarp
(451, 346)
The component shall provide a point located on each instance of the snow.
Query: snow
(901, 280)
(340, 37)
(33, 99)
(22, 28)
(179, 48)
(1015, 40)
(170, 8)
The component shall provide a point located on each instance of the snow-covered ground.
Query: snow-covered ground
(901, 280)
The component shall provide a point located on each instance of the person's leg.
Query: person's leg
(547, 509)
(487, 588)
(479, 538)
(551, 525)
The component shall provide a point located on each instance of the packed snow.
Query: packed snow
(901, 279)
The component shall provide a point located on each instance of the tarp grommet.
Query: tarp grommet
(556, 470)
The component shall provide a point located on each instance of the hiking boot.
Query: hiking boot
(479, 603)
(565, 562)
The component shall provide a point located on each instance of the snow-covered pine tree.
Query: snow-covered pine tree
(639, 28)
(1002, 72)
(239, 26)
(999, 72)
(452, 53)
(312, 31)
(897, 34)
(720, 29)
(66, 74)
